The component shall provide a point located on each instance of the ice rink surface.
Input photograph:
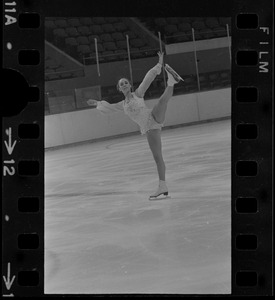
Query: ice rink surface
(103, 235)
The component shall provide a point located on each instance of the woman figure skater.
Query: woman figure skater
(149, 120)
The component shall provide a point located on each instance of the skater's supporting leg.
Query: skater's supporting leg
(154, 141)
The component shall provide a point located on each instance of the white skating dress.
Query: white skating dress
(136, 108)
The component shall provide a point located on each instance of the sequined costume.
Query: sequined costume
(136, 108)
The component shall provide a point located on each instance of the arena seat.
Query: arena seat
(130, 34)
(74, 22)
(72, 31)
(71, 41)
(62, 23)
(121, 44)
(184, 27)
(92, 38)
(120, 26)
(212, 22)
(60, 32)
(86, 21)
(170, 29)
(110, 46)
(137, 43)
(118, 36)
(100, 48)
(82, 40)
(108, 28)
(98, 20)
(96, 29)
(198, 25)
(84, 30)
(50, 24)
(106, 37)
(83, 49)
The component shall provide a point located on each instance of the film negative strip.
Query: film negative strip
(23, 134)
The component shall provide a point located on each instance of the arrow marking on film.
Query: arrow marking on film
(9, 145)
(7, 280)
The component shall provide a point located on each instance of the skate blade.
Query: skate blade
(173, 73)
(160, 197)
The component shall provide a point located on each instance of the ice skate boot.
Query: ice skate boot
(173, 76)
(161, 193)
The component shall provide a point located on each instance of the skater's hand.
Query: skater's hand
(92, 102)
(160, 54)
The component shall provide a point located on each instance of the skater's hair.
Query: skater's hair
(117, 86)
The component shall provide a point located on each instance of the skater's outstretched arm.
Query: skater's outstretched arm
(106, 107)
(149, 77)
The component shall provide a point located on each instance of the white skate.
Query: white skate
(161, 193)
(175, 75)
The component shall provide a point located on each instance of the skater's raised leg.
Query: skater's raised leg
(160, 108)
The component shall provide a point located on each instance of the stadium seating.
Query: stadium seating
(110, 46)
(92, 38)
(76, 36)
(185, 27)
(212, 22)
(84, 30)
(86, 21)
(118, 36)
(106, 37)
(172, 29)
(61, 23)
(96, 29)
(61, 31)
(98, 20)
(121, 44)
(82, 40)
(108, 28)
(120, 26)
(130, 34)
(74, 22)
(72, 31)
